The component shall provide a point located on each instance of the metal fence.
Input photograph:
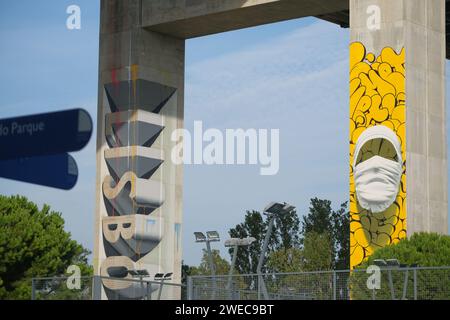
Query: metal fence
(92, 288)
(419, 283)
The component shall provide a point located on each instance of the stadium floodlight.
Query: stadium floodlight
(212, 236)
(199, 237)
(380, 262)
(168, 276)
(161, 277)
(388, 264)
(272, 210)
(277, 208)
(138, 273)
(393, 263)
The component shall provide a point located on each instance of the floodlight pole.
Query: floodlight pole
(211, 266)
(210, 258)
(149, 290)
(160, 288)
(261, 284)
(384, 265)
(233, 262)
(391, 284)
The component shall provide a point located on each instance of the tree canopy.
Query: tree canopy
(294, 244)
(422, 249)
(220, 264)
(33, 243)
(322, 219)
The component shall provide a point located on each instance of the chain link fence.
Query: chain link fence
(419, 283)
(97, 288)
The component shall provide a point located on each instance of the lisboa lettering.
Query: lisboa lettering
(132, 193)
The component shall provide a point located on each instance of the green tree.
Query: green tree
(317, 252)
(341, 237)
(423, 249)
(221, 266)
(314, 255)
(285, 235)
(33, 243)
(286, 260)
(319, 217)
(286, 231)
(186, 271)
(322, 219)
(247, 257)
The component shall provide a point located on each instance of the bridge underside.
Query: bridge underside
(220, 18)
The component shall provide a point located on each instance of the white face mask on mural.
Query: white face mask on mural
(377, 179)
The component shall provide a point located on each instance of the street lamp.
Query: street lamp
(161, 277)
(272, 210)
(393, 263)
(199, 237)
(140, 273)
(390, 264)
(236, 243)
(380, 263)
(211, 236)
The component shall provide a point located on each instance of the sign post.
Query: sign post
(34, 148)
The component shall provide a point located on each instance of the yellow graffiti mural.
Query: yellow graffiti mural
(377, 97)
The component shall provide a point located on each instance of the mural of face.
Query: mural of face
(377, 168)
(377, 99)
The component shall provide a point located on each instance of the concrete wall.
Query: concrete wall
(419, 26)
(133, 63)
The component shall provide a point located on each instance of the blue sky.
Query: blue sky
(291, 75)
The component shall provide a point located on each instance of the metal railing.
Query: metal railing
(418, 283)
(92, 288)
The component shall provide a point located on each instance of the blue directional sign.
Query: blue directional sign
(44, 134)
(34, 148)
(56, 171)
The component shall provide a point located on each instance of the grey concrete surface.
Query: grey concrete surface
(419, 26)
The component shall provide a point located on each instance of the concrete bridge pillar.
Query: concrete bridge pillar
(397, 80)
(139, 188)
